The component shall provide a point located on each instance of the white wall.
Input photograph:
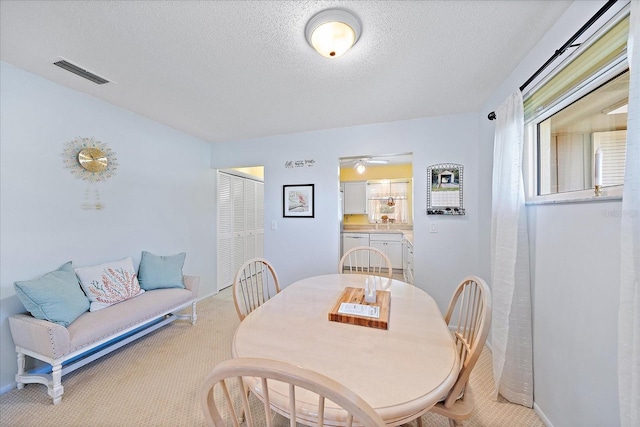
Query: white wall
(162, 198)
(575, 268)
(303, 247)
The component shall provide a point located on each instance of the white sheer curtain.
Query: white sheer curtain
(510, 280)
(629, 312)
(378, 193)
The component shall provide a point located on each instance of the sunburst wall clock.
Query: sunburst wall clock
(90, 160)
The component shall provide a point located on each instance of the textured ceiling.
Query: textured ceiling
(226, 70)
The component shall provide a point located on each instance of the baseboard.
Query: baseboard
(541, 414)
(207, 296)
(7, 388)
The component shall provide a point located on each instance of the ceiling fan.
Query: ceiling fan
(359, 163)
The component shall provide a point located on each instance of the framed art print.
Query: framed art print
(298, 201)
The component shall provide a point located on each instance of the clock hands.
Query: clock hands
(92, 159)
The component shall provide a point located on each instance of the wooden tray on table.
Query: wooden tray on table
(356, 296)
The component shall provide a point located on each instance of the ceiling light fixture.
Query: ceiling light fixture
(360, 168)
(332, 32)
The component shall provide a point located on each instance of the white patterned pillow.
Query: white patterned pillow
(110, 283)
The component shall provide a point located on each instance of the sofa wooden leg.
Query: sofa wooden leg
(194, 317)
(55, 387)
(21, 362)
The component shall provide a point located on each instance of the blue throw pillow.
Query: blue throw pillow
(56, 296)
(158, 272)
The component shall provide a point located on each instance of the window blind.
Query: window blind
(602, 54)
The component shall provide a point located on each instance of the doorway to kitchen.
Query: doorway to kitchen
(376, 207)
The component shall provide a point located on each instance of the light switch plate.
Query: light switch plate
(434, 227)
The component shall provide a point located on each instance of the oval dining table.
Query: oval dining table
(401, 371)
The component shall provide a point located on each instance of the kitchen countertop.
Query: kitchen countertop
(369, 228)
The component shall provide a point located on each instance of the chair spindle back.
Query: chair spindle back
(472, 304)
(296, 377)
(365, 260)
(255, 282)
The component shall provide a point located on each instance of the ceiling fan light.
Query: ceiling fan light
(332, 32)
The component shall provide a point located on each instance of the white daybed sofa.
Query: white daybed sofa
(94, 333)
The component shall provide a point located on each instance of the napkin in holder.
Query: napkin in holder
(370, 289)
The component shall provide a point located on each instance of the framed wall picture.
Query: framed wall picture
(298, 201)
(444, 190)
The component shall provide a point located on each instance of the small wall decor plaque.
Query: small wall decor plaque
(290, 164)
(444, 189)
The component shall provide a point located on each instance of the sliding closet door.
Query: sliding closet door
(259, 219)
(225, 231)
(239, 218)
(250, 218)
(240, 224)
(254, 214)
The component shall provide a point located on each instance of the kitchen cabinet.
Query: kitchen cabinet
(355, 197)
(407, 260)
(240, 224)
(391, 245)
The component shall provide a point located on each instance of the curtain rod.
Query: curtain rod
(568, 44)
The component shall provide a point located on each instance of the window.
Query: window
(578, 111)
(388, 201)
(569, 139)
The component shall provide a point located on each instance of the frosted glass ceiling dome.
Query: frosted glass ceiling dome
(332, 32)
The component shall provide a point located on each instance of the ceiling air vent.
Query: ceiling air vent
(66, 65)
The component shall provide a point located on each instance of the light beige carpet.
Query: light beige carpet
(155, 381)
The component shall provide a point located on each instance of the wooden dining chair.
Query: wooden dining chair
(219, 406)
(255, 282)
(365, 260)
(471, 306)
